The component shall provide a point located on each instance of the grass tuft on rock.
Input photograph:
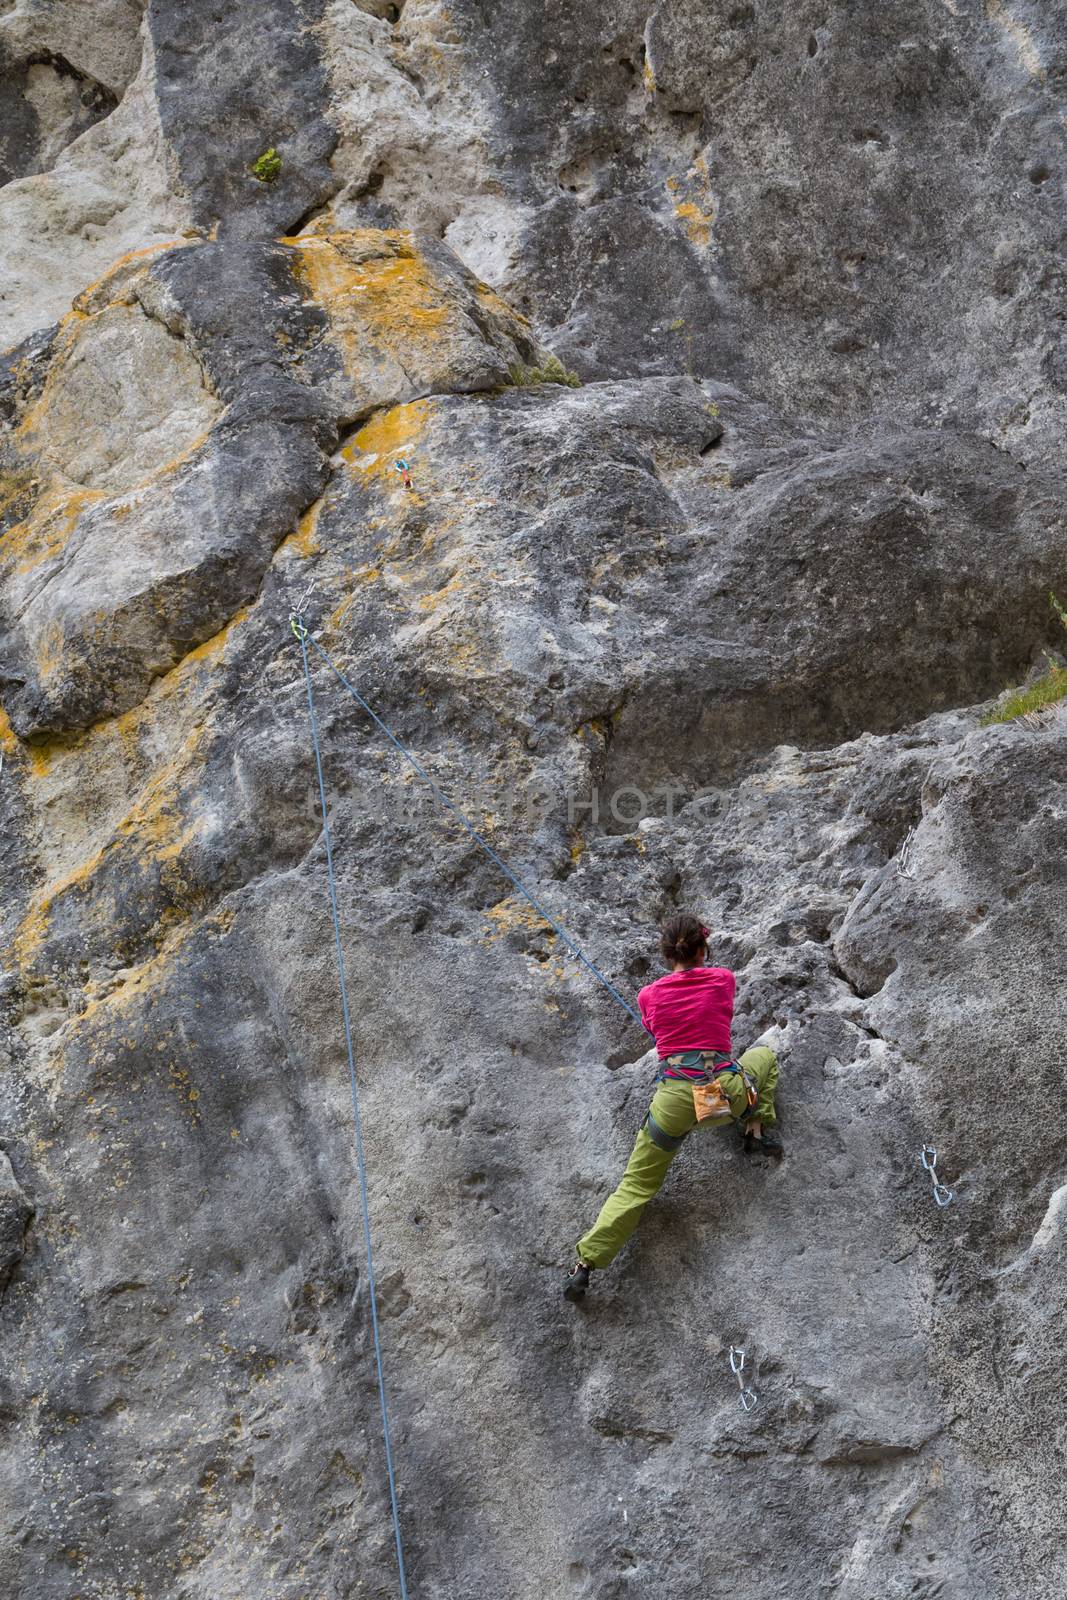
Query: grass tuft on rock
(267, 166)
(1046, 691)
(552, 371)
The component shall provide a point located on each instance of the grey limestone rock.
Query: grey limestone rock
(15, 1213)
(719, 626)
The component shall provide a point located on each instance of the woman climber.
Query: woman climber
(688, 1012)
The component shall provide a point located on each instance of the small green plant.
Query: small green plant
(552, 371)
(1045, 691)
(267, 166)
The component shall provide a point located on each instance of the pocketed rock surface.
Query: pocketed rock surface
(657, 415)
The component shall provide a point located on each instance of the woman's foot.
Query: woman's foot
(766, 1143)
(577, 1281)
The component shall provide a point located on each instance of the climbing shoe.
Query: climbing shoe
(576, 1282)
(768, 1146)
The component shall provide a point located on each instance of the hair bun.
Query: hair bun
(682, 938)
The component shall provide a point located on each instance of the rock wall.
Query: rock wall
(659, 414)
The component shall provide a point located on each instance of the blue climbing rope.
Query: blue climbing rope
(302, 634)
(439, 794)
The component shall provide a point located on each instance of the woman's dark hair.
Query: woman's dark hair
(682, 939)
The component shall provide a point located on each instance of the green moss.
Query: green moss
(1045, 692)
(553, 371)
(267, 166)
(1048, 689)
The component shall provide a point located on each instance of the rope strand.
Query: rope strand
(302, 635)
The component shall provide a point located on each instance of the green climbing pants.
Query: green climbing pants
(672, 1111)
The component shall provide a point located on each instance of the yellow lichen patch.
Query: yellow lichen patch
(511, 915)
(500, 308)
(33, 928)
(305, 540)
(693, 201)
(89, 300)
(45, 755)
(697, 223)
(155, 830)
(8, 742)
(335, 621)
(46, 531)
(15, 486)
(997, 11)
(211, 647)
(49, 653)
(389, 436)
(649, 77)
(376, 289)
(137, 981)
(448, 591)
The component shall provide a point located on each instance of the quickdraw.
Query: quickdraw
(928, 1158)
(747, 1397)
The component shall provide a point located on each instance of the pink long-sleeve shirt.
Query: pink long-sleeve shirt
(690, 1010)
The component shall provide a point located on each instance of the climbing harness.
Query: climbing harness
(928, 1157)
(710, 1100)
(747, 1397)
(302, 635)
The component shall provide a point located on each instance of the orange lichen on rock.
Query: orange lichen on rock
(511, 915)
(45, 533)
(153, 833)
(377, 290)
(103, 290)
(45, 755)
(694, 202)
(389, 436)
(500, 308)
(697, 222)
(211, 647)
(33, 928)
(138, 980)
(305, 539)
